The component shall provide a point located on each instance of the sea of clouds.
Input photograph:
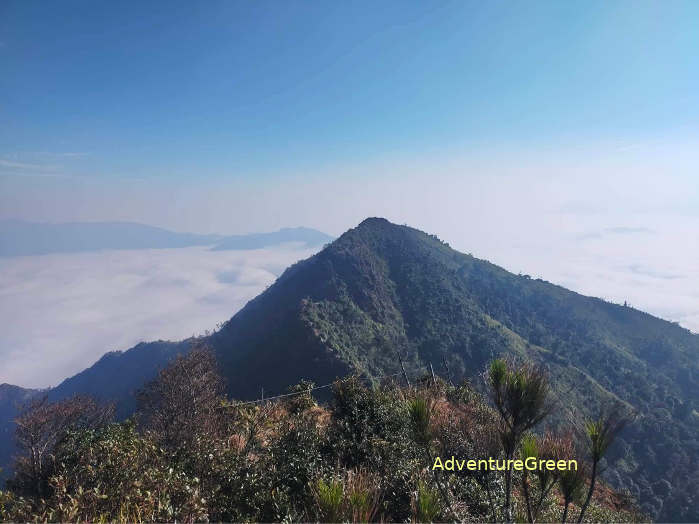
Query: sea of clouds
(614, 221)
(650, 269)
(62, 312)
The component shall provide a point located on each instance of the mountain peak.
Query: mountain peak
(374, 222)
(375, 230)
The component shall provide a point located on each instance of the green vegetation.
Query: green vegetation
(382, 290)
(382, 295)
(571, 483)
(520, 398)
(364, 457)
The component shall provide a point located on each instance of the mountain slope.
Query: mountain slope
(116, 377)
(133, 368)
(382, 290)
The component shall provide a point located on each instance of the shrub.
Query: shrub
(328, 496)
(114, 473)
(426, 504)
(41, 425)
(353, 497)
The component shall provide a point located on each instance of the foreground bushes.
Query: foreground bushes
(367, 456)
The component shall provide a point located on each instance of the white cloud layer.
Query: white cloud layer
(653, 270)
(62, 312)
(604, 219)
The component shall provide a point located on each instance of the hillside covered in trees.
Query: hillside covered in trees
(369, 454)
(383, 290)
(383, 294)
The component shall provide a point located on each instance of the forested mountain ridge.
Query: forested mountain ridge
(381, 291)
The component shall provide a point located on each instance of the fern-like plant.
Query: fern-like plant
(329, 495)
(426, 504)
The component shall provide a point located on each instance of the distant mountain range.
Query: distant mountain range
(308, 237)
(383, 290)
(19, 238)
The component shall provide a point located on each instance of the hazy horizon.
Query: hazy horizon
(129, 296)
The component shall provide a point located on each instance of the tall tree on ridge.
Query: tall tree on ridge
(600, 434)
(521, 398)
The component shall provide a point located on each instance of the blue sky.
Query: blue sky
(242, 89)
(558, 139)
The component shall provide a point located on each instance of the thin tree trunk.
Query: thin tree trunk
(442, 489)
(490, 498)
(544, 492)
(36, 471)
(508, 489)
(402, 367)
(589, 492)
(525, 488)
(565, 512)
